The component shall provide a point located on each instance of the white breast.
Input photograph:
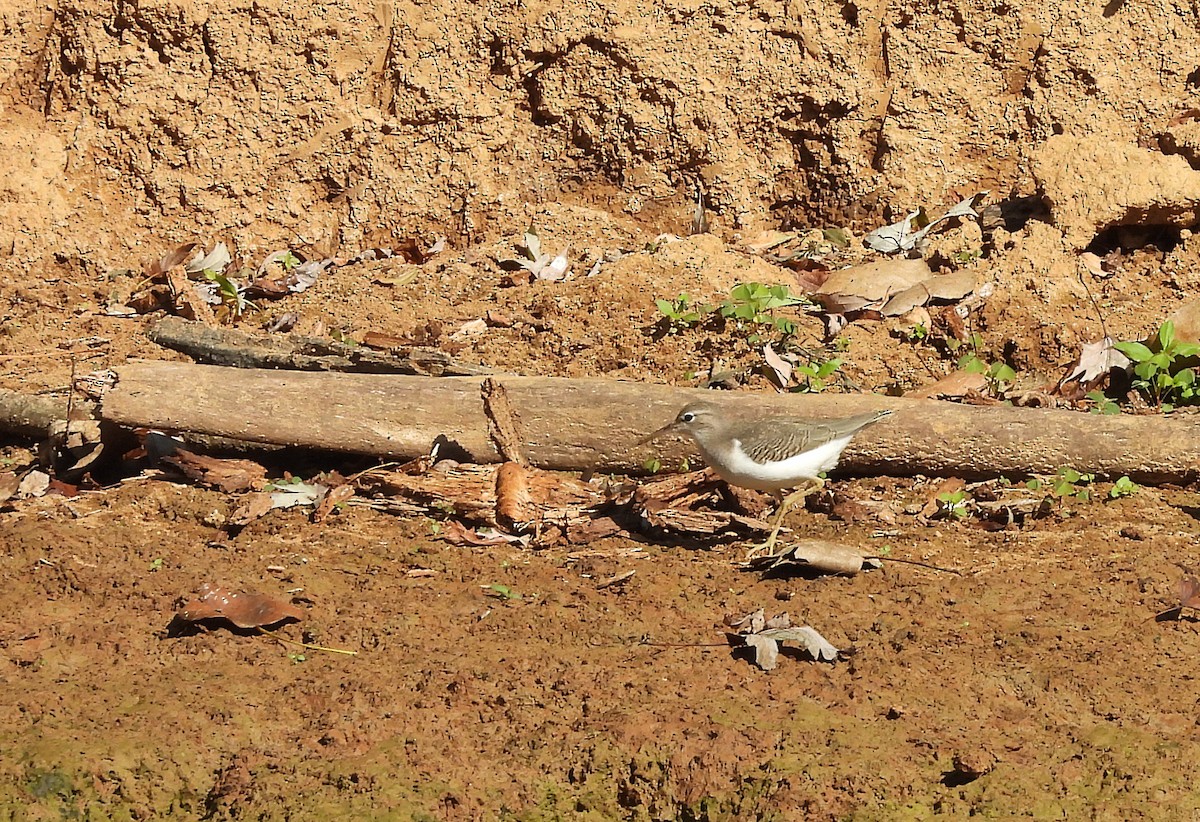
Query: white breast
(738, 469)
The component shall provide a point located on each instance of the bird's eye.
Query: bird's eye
(688, 417)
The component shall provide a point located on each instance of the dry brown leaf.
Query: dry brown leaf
(1189, 593)
(243, 609)
(955, 385)
(616, 579)
(780, 368)
(768, 240)
(254, 506)
(187, 301)
(169, 260)
(333, 497)
(809, 274)
(1186, 320)
(871, 285)
(157, 297)
(227, 475)
(33, 484)
(9, 483)
(815, 555)
(456, 533)
(940, 287)
(763, 635)
(514, 504)
(1095, 361)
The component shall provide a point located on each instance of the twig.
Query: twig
(306, 645)
(917, 562)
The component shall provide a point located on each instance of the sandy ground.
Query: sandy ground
(1028, 679)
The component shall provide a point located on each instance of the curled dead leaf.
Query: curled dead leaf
(228, 475)
(333, 498)
(815, 555)
(243, 609)
(514, 504)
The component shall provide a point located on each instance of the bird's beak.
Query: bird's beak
(669, 428)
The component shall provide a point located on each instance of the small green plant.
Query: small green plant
(1101, 404)
(841, 344)
(652, 465)
(1124, 487)
(501, 592)
(755, 303)
(999, 375)
(1066, 483)
(342, 336)
(814, 377)
(297, 658)
(682, 312)
(1157, 375)
(837, 236)
(968, 256)
(156, 564)
(232, 297)
(918, 333)
(289, 261)
(954, 503)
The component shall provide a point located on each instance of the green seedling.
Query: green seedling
(289, 261)
(297, 658)
(682, 312)
(1066, 483)
(954, 503)
(1157, 374)
(232, 298)
(814, 377)
(501, 592)
(1101, 404)
(755, 303)
(652, 465)
(156, 564)
(999, 375)
(1124, 487)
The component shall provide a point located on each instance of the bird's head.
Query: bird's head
(697, 420)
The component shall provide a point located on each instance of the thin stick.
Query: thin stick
(306, 645)
(916, 562)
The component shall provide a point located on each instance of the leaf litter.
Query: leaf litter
(242, 609)
(764, 637)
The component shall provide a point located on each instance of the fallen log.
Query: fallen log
(576, 424)
(28, 415)
(225, 346)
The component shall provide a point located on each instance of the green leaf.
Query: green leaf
(1135, 351)
(836, 236)
(972, 364)
(1166, 334)
(1003, 372)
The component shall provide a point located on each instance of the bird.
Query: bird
(768, 453)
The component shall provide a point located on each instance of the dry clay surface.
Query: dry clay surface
(1032, 683)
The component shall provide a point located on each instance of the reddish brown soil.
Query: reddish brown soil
(1033, 683)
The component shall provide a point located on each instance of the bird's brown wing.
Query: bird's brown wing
(781, 437)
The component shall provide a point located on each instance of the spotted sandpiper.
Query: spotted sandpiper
(770, 453)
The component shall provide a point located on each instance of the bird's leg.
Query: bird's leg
(789, 502)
